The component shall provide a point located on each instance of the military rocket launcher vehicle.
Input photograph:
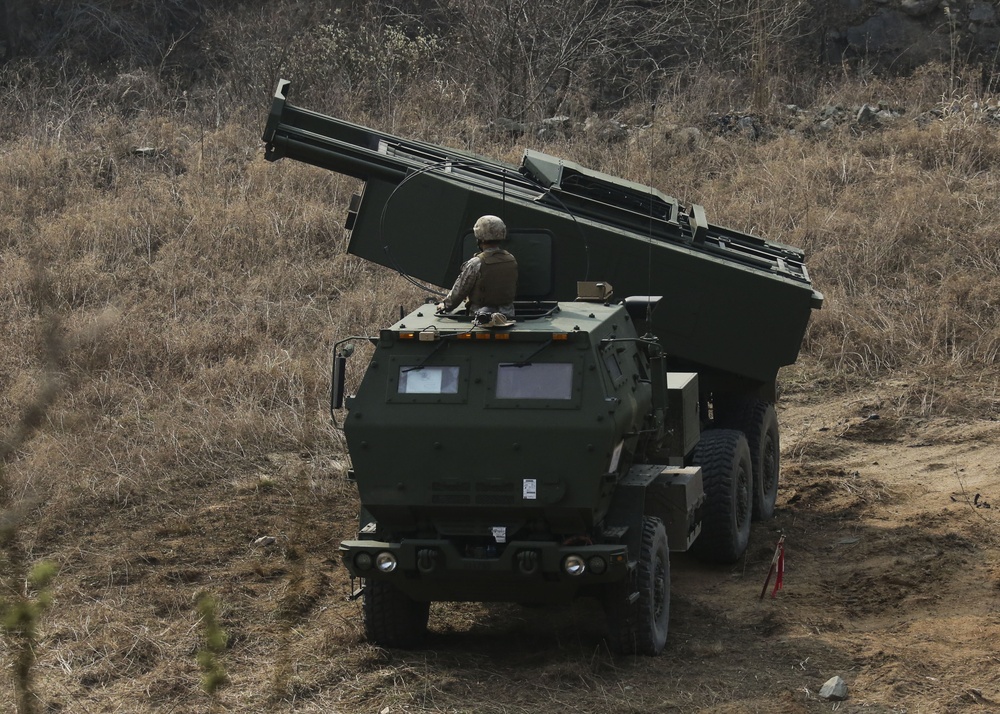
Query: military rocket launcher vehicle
(568, 453)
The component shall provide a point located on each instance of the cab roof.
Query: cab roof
(546, 317)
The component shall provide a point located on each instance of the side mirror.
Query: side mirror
(339, 376)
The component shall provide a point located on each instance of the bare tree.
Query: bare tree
(531, 56)
(736, 34)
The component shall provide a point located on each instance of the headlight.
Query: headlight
(574, 565)
(363, 561)
(386, 562)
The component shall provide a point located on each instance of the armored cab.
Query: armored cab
(501, 463)
(568, 453)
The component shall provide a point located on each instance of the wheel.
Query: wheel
(727, 473)
(765, 449)
(639, 626)
(757, 419)
(392, 618)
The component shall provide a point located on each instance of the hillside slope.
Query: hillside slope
(169, 299)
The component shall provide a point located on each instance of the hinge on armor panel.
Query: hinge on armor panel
(615, 533)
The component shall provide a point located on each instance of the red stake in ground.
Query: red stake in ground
(777, 569)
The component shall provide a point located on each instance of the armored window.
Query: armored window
(537, 380)
(611, 362)
(428, 380)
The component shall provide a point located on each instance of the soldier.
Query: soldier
(489, 278)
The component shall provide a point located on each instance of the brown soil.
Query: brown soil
(892, 582)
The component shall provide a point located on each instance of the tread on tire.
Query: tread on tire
(392, 618)
(727, 473)
(757, 419)
(641, 627)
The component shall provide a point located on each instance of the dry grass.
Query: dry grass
(198, 290)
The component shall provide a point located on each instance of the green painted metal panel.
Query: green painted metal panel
(734, 306)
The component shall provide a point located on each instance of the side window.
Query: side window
(411, 382)
(428, 380)
(611, 362)
(538, 380)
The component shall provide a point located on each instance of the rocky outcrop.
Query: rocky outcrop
(899, 35)
(16, 25)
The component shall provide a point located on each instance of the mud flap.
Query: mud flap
(673, 494)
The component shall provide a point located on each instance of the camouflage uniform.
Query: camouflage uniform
(489, 281)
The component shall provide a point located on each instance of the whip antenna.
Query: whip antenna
(649, 242)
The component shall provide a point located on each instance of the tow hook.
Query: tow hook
(426, 560)
(527, 561)
(356, 592)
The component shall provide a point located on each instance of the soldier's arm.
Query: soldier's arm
(463, 284)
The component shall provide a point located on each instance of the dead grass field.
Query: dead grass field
(172, 311)
(892, 582)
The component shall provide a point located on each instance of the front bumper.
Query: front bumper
(524, 571)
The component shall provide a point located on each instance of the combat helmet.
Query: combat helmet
(490, 229)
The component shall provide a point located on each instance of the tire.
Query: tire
(392, 618)
(640, 627)
(757, 419)
(727, 473)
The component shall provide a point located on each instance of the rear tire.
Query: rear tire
(765, 447)
(727, 473)
(640, 627)
(757, 419)
(392, 618)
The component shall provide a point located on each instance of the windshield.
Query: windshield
(537, 380)
(428, 380)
